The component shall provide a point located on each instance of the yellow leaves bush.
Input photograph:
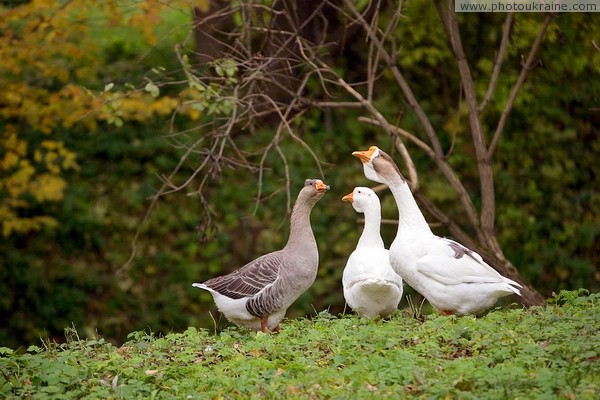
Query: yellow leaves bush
(25, 178)
(141, 106)
(12, 224)
(132, 106)
(146, 19)
(48, 187)
(47, 60)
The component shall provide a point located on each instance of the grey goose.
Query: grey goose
(258, 294)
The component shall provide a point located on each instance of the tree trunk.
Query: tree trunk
(496, 258)
(529, 295)
(210, 28)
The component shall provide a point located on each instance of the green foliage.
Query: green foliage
(517, 353)
(85, 218)
(111, 149)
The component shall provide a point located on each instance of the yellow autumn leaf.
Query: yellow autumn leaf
(19, 181)
(69, 161)
(9, 161)
(48, 188)
(12, 142)
(21, 225)
(165, 105)
(193, 114)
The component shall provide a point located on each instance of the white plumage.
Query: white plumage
(236, 312)
(371, 287)
(453, 278)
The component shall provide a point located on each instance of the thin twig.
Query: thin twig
(400, 79)
(412, 170)
(283, 118)
(338, 104)
(444, 168)
(383, 122)
(515, 91)
(150, 208)
(508, 22)
(455, 128)
(405, 134)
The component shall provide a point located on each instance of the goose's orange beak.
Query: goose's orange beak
(348, 197)
(364, 155)
(321, 186)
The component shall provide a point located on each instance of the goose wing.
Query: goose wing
(250, 279)
(451, 263)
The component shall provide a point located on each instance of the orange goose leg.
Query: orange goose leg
(265, 328)
(263, 324)
(448, 313)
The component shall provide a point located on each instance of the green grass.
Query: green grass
(544, 353)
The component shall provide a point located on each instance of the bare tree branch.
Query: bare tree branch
(486, 176)
(412, 170)
(515, 91)
(405, 134)
(499, 59)
(378, 116)
(444, 168)
(439, 157)
(402, 82)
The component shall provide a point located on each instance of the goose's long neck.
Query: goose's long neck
(409, 215)
(371, 235)
(301, 235)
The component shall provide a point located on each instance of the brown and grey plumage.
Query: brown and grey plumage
(258, 294)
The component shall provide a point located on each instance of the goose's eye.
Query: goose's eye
(359, 191)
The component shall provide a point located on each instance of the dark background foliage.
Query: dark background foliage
(548, 195)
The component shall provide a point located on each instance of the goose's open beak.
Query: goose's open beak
(322, 187)
(365, 155)
(348, 197)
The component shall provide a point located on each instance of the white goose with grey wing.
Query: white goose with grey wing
(453, 278)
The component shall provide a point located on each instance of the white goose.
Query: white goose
(452, 277)
(371, 287)
(258, 294)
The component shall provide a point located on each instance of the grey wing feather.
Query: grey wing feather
(266, 301)
(249, 279)
(274, 296)
(460, 250)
